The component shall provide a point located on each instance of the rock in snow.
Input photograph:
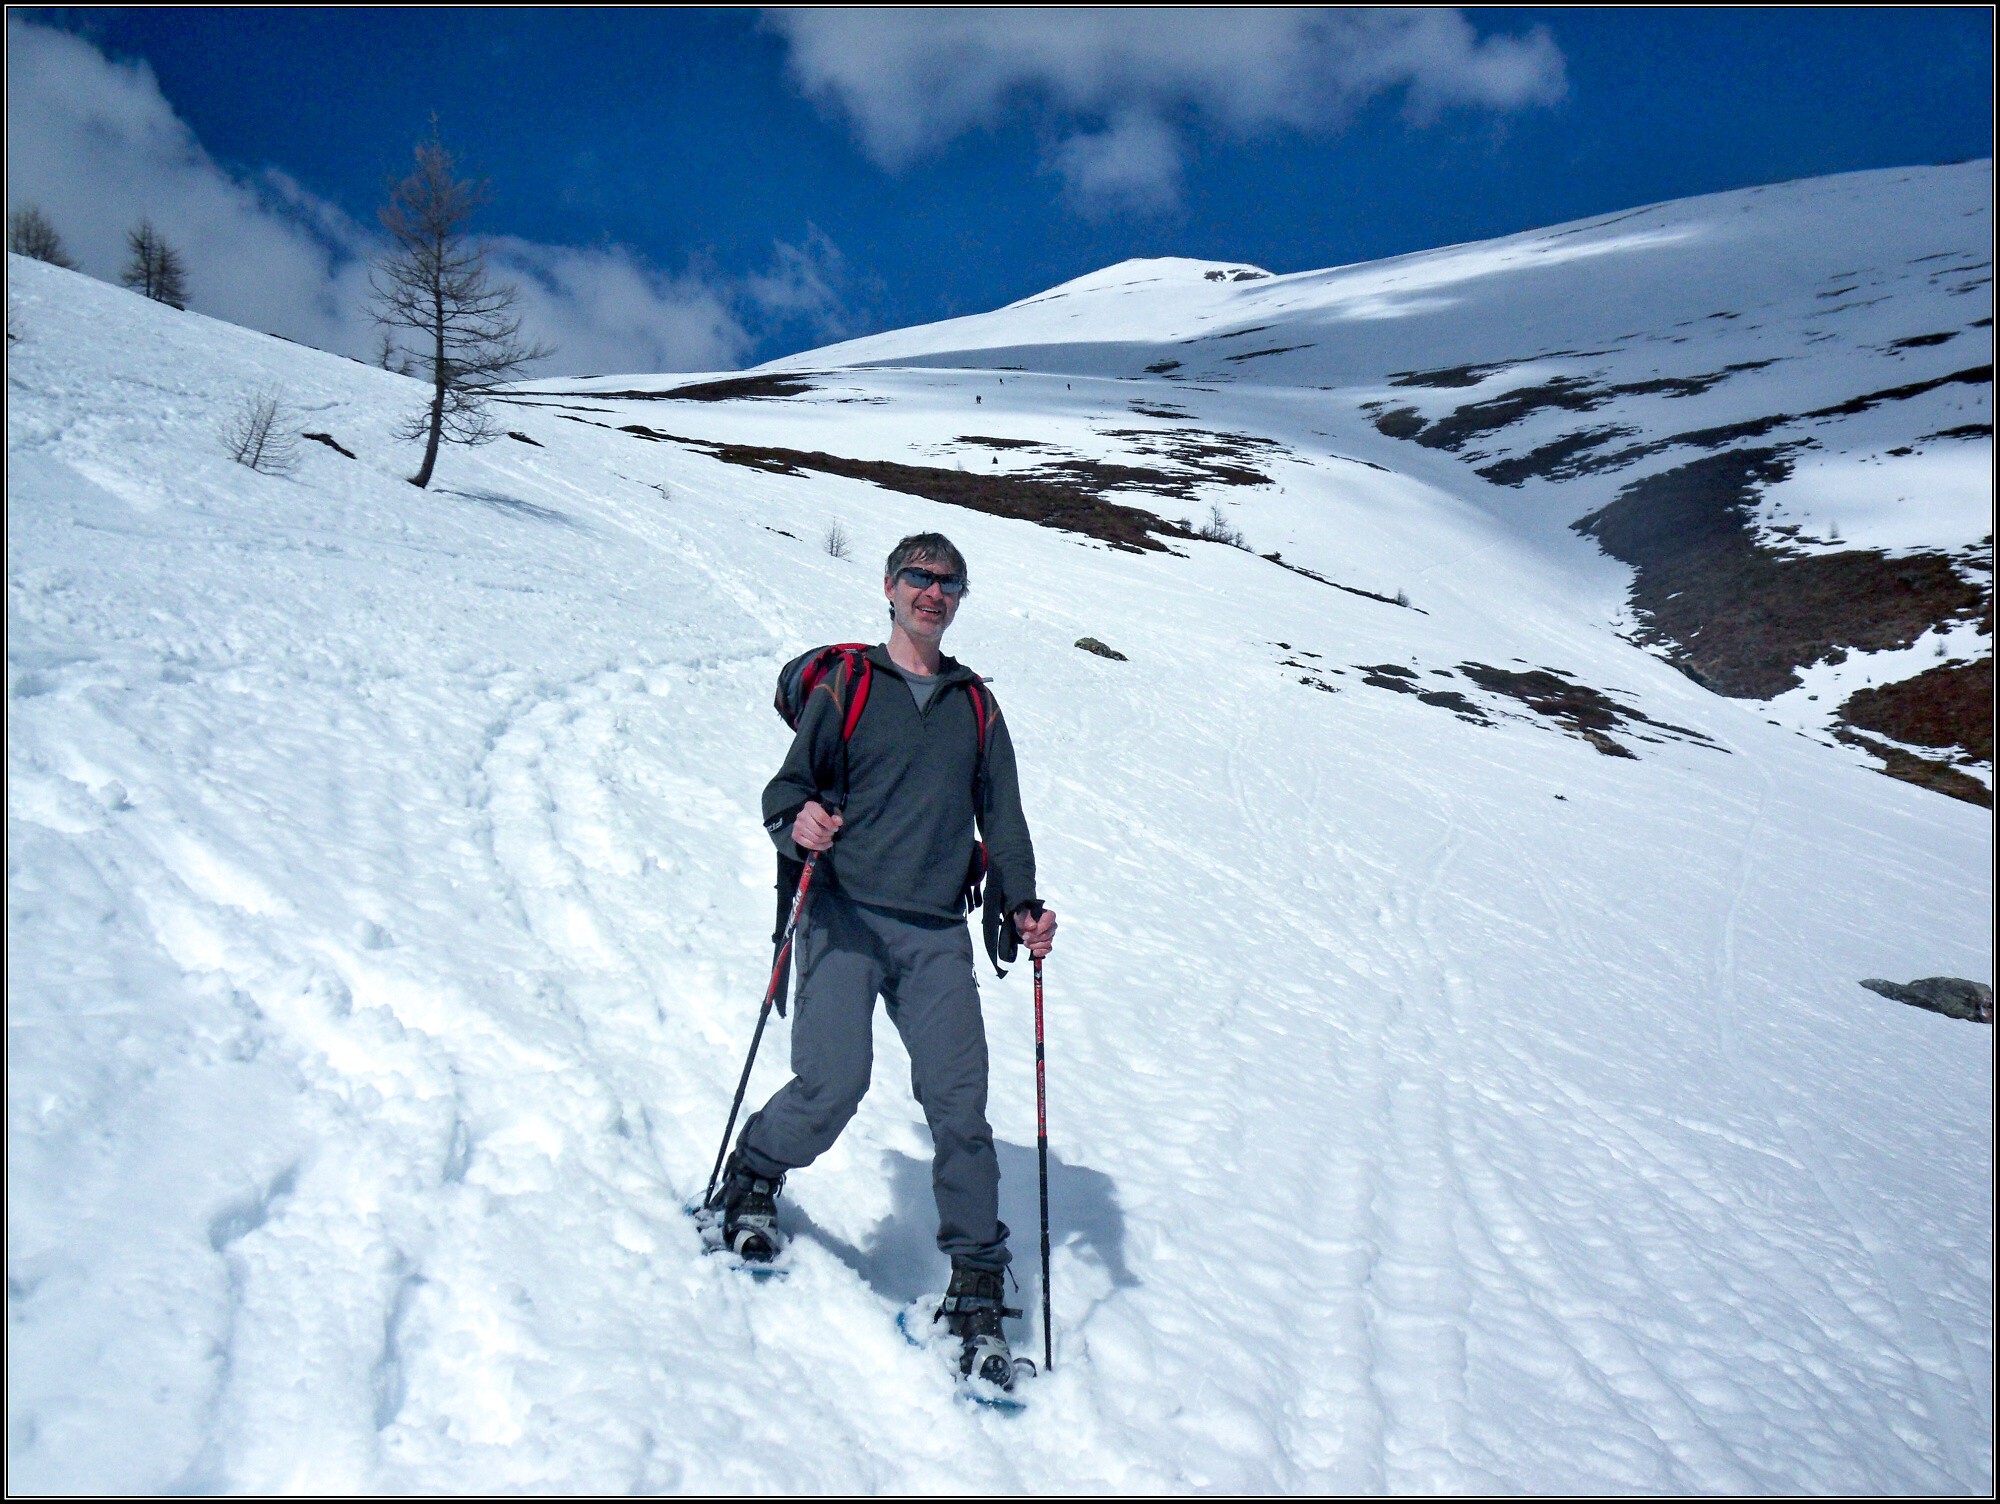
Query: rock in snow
(1954, 997)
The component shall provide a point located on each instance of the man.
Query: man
(893, 809)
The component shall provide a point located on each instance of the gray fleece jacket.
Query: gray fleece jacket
(909, 819)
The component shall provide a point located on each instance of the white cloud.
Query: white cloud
(807, 283)
(606, 311)
(1134, 163)
(95, 145)
(1111, 81)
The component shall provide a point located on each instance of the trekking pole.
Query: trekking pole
(1042, 1148)
(763, 1016)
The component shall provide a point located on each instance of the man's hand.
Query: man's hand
(816, 826)
(1038, 934)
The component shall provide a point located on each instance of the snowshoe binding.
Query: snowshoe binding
(743, 1215)
(973, 1310)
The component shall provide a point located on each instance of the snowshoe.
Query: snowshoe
(922, 1329)
(743, 1216)
(973, 1310)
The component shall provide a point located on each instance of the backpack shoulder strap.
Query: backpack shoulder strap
(982, 711)
(857, 678)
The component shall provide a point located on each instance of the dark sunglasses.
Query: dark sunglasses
(923, 579)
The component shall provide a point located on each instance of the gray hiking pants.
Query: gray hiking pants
(848, 954)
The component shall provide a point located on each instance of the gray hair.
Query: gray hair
(933, 548)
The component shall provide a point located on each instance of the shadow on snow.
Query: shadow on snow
(899, 1260)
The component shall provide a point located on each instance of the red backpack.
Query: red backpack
(846, 664)
(848, 675)
(844, 671)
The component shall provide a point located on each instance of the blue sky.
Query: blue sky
(699, 188)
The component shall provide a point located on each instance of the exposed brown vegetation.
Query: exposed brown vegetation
(1589, 713)
(1386, 600)
(1740, 618)
(1576, 708)
(1448, 377)
(1274, 350)
(1970, 376)
(1058, 503)
(729, 389)
(1583, 453)
(1564, 393)
(1400, 423)
(1950, 706)
(1404, 681)
(1939, 777)
(1560, 459)
(1207, 457)
(735, 388)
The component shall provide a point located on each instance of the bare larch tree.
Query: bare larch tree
(29, 233)
(389, 358)
(434, 282)
(156, 268)
(259, 434)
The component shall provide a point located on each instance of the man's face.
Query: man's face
(922, 612)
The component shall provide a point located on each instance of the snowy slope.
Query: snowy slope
(1805, 368)
(1436, 1102)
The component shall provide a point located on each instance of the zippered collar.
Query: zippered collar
(950, 670)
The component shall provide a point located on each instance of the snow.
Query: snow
(1758, 257)
(1887, 501)
(1432, 1106)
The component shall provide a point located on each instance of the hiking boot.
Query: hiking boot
(972, 1311)
(749, 1205)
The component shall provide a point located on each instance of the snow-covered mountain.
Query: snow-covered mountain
(1459, 1077)
(1775, 403)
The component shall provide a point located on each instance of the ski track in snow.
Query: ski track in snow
(387, 914)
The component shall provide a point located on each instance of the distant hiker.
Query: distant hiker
(891, 796)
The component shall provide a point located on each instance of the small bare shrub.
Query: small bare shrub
(258, 434)
(836, 541)
(1218, 530)
(391, 359)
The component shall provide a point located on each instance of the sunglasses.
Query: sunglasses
(923, 579)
